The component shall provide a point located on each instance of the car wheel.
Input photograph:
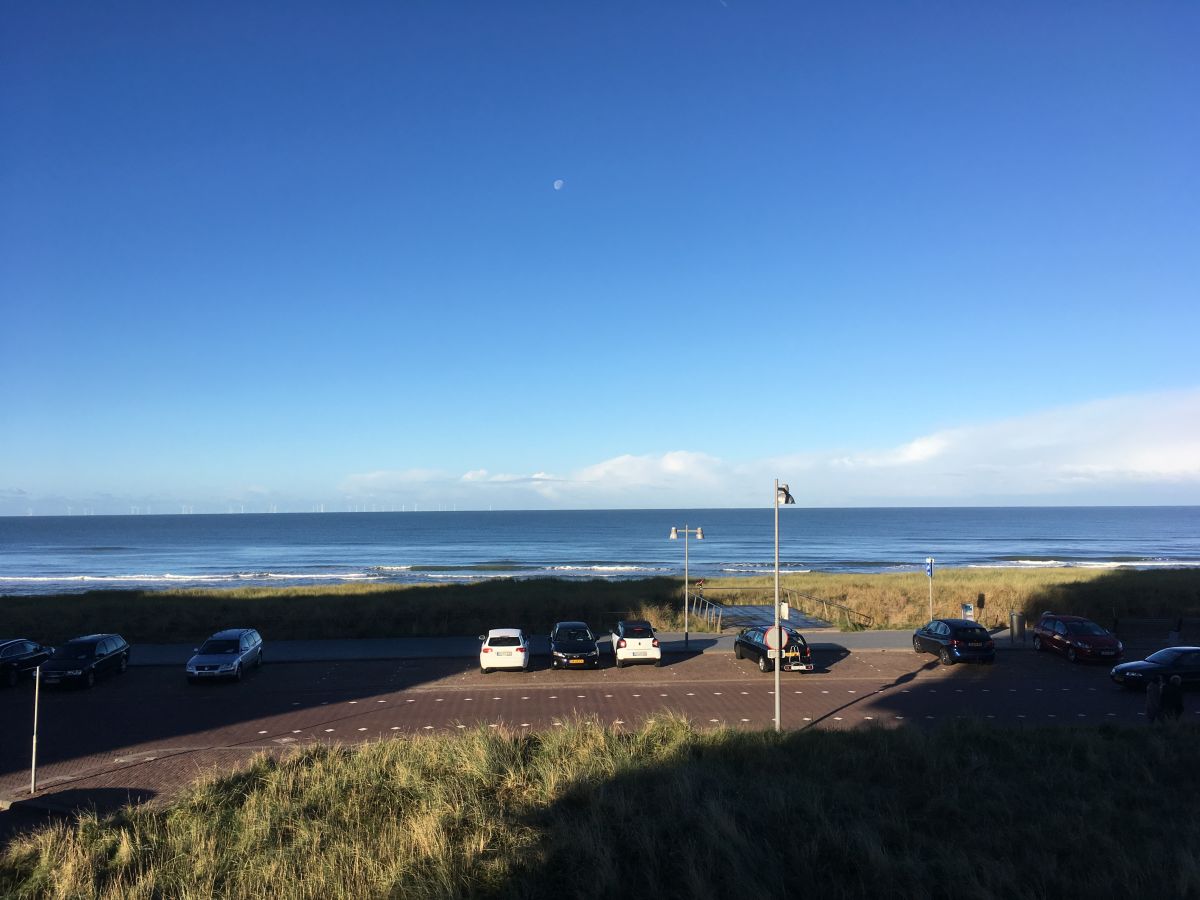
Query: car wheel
(917, 646)
(11, 678)
(123, 665)
(1037, 643)
(483, 671)
(237, 672)
(1072, 656)
(620, 663)
(258, 660)
(658, 663)
(945, 658)
(89, 679)
(764, 664)
(737, 651)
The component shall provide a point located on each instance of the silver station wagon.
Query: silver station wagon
(226, 655)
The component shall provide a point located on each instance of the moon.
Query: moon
(558, 184)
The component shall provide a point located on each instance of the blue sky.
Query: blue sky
(281, 255)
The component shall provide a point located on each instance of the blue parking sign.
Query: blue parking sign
(929, 566)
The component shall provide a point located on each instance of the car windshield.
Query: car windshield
(1085, 628)
(212, 648)
(638, 631)
(573, 634)
(74, 651)
(504, 640)
(1164, 657)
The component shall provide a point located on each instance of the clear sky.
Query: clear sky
(597, 254)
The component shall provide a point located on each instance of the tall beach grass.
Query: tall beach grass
(365, 611)
(664, 811)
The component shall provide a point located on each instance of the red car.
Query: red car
(1077, 638)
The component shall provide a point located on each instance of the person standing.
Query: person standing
(1154, 694)
(1172, 698)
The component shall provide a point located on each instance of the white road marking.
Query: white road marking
(262, 732)
(352, 702)
(327, 730)
(362, 729)
(395, 728)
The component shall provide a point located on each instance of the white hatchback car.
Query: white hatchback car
(634, 640)
(503, 648)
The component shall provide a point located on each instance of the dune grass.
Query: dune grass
(365, 611)
(901, 600)
(348, 610)
(586, 810)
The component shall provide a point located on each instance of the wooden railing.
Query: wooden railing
(831, 610)
(705, 609)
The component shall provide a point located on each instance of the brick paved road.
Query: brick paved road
(145, 734)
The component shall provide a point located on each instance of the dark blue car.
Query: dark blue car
(955, 640)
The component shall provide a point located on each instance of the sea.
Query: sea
(56, 554)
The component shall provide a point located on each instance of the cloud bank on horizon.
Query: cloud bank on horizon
(1132, 449)
(1121, 450)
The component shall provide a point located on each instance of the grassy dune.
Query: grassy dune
(585, 810)
(346, 611)
(902, 600)
(358, 610)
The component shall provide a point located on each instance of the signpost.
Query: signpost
(929, 572)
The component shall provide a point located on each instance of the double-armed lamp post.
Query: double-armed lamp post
(685, 531)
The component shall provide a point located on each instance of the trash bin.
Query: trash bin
(1016, 626)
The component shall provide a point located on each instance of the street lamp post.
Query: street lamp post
(699, 533)
(782, 495)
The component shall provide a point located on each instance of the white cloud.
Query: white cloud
(1122, 450)
(1134, 449)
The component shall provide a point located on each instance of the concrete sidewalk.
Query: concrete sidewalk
(468, 647)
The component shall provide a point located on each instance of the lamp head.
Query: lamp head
(674, 533)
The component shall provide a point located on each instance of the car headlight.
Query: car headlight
(1132, 674)
(228, 667)
(560, 654)
(191, 669)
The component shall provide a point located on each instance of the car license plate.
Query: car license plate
(639, 652)
(1108, 652)
(577, 662)
(802, 667)
(975, 644)
(504, 653)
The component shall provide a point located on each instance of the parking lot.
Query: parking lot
(146, 734)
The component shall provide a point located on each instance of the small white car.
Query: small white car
(633, 641)
(503, 648)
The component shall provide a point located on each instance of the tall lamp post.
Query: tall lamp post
(782, 495)
(699, 533)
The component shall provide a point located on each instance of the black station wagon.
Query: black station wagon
(82, 660)
(751, 643)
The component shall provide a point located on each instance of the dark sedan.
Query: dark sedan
(573, 646)
(84, 659)
(1181, 661)
(955, 640)
(18, 657)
